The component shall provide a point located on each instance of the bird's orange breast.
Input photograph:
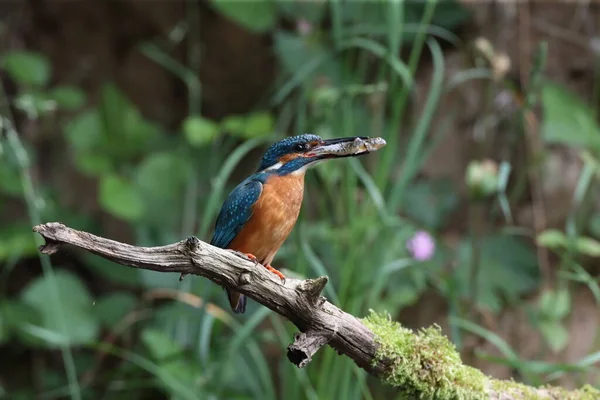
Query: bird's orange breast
(274, 216)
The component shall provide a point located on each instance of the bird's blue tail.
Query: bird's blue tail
(237, 301)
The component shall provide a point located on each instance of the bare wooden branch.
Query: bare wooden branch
(295, 300)
(319, 321)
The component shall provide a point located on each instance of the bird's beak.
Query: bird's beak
(345, 147)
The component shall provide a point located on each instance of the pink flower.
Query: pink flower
(303, 27)
(421, 246)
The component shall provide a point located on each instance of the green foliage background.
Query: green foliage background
(91, 329)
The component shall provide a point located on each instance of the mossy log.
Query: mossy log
(421, 365)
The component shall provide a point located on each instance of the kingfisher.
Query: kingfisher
(260, 212)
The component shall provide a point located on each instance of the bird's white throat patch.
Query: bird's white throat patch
(274, 167)
(301, 170)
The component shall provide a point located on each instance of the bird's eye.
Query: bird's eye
(302, 147)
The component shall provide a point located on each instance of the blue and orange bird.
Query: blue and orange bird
(259, 214)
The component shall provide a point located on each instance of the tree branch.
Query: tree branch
(383, 349)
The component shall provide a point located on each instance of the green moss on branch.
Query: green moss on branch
(426, 365)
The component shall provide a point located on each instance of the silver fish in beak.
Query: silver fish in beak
(346, 147)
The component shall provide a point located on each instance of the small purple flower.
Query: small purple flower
(303, 27)
(421, 246)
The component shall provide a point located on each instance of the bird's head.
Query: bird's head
(297, 153)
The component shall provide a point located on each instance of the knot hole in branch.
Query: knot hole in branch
(305, 345)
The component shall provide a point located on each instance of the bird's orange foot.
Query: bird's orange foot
(252, 257)
(279, 274)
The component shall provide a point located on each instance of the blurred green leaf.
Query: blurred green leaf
(10, 182)
(161, 180)
(448, 14)
(68, 97)
(253, 125)
(567, 119)
(258, 124)
(114, 108)
(40, 336)
(93, 164)
(555, 305)
(119, 197)
(16, 240)
(555, 334)
(125, 132)
(34, 103)
(588, 246)
(186, 371)
(27, 67)
(552, 239)
(594, 225)
(111, 134)
(199, 131)
(556, 240)
(111, 308)
(160, 345)
(508, 269)
(430, 203)
(165, 169)
(591, 164)
(233, 124)
(17, 314)
(80, 325)
(256, 16)
(85, 131)
(403, 293)
(324, 98)
(294, 53)
(312, 11)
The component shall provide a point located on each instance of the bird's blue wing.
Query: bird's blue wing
(236, 211)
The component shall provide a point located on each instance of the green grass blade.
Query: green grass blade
(242, 336)
(462, 77)
(432, 30)
(34, 216)
(395, 27)
(300, 374)
(380, 51)
(399, 104)
(372, 189)
(171, 382)
(489, 336)
(383, 274)
(312, 65)
(318, 267)
(583, 364)
(415, 146)
(184, 73)
(581, 275)
(261, 368)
